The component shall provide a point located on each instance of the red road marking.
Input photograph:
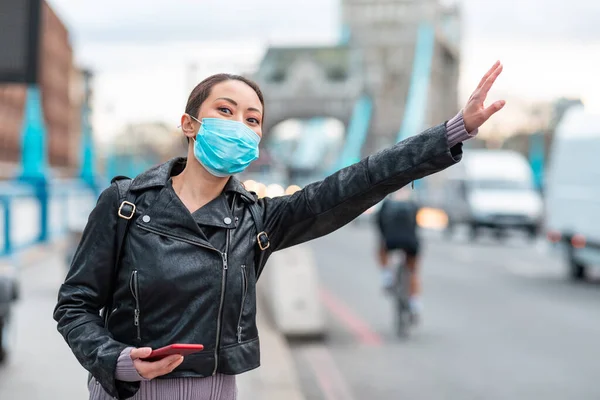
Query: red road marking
(353, 323)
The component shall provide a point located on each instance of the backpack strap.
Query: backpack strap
(262, 238)
(125, 212)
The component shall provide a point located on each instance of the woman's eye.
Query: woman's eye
(225, 110)
(253, 121)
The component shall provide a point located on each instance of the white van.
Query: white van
(492, 189)
(573, 190)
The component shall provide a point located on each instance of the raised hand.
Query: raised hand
(474, 113)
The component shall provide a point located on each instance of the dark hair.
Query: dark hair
(203, 89)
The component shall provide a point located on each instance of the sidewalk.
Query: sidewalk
(40, 365)
(41, 362)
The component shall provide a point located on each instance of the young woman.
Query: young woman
(192, 253)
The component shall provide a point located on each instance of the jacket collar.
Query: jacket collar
(159, 175)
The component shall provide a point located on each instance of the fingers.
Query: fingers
(142, 352)
(494, 108)
(487, 85)
(487, 74)
(168, 364)
(153, 369)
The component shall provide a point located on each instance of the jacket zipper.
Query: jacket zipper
(244, 291)
(223, 276)
(223, 281)
(135, 290)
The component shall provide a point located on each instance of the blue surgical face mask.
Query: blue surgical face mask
(225, 147)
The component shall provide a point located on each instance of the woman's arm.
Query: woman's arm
(323, 207)
(86, 291)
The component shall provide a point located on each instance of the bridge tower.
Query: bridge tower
(386, 32)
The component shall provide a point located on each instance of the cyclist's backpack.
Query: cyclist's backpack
(397, 221)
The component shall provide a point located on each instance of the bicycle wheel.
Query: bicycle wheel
(402, 302)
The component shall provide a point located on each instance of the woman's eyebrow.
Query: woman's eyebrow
(227, 99)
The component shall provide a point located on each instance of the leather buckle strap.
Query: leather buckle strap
(123, 204)
(263, 240)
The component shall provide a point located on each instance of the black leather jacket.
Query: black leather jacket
(187, 278)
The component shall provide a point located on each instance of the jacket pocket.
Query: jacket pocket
(244, 293)
(111, 315)
(135, 291)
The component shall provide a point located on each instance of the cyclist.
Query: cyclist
(397, 225)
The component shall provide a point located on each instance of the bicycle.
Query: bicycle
(401, 297)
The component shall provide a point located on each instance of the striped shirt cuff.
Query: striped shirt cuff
(126, 371)
(456, 131)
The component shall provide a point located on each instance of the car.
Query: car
(572, 191)
(492, 189)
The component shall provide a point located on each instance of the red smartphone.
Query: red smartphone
(182, 349)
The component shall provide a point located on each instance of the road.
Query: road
(500, 322)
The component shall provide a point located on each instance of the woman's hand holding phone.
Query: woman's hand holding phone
(153, 369)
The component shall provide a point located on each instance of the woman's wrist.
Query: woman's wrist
(456, 130)
(126, 370)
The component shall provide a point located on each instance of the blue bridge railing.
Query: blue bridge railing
(31, 214)
(35, 207)
(356, 134)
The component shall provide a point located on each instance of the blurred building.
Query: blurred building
(139, 147)
(382, 42)
(61, 102)
(386, 33)
(519, 117)
(538, 122)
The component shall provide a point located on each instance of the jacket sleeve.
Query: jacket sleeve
(325, 206)
(86, 291)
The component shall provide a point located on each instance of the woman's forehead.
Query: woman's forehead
(237, 91)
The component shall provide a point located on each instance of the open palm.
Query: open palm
(475, 113)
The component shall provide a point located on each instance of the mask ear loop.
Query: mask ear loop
(194, 118)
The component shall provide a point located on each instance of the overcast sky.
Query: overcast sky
(141, 49)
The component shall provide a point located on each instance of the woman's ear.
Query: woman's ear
(188, 126)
